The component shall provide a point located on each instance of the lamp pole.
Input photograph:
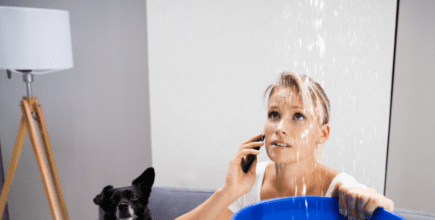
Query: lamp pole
(28, 79)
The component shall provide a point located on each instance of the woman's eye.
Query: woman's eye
(273, 115)
(299, 116)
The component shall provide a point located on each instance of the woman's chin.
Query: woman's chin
(282, 160)
(281, 155)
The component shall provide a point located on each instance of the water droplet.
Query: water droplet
(306, 209)
(354, 165)
(321, 44)
(305, 133)
(297, 156)
(310, 47)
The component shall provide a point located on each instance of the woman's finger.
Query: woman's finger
(243, 153)
(342, 199)
(252, 139)
(362, 200)
(251, 145)
(378, 201)
(352, 196)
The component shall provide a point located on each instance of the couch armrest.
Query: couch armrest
(414, 215)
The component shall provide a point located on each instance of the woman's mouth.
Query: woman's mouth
(280, 144)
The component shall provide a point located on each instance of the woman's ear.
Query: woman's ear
(324, 134)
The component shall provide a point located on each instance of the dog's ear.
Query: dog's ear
(103, 198)
(145, 179)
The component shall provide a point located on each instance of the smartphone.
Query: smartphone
(246, 164)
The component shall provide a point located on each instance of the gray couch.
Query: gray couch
(169, 203)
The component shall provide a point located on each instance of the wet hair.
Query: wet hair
(312, 94)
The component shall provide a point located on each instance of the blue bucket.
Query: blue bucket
(301, 207)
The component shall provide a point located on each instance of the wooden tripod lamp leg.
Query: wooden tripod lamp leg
(22, 130)
(40, 160)
(50, 158)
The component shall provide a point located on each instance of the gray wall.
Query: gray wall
(210, 63)
(97, 113)
(411, 175)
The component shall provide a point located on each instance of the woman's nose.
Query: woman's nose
(282, 127)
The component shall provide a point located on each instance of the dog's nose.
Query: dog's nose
(123, 206)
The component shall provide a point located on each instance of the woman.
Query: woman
(295, 131)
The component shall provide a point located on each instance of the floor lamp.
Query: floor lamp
(35, 41)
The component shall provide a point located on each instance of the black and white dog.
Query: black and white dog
(127, 203)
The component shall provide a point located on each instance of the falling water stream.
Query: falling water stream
(329, 38)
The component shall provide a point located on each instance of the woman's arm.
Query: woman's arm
(212, 207)
(236, 184)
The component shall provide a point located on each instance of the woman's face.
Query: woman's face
(292, 134)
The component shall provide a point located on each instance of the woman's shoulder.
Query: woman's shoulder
(337, 176)
(327, 176)
(328, 172)
(333, 177)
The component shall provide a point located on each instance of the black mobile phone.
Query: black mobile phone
(246, 164)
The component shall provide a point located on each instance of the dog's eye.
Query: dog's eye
(134, 198)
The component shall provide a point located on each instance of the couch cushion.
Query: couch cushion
(170, 203)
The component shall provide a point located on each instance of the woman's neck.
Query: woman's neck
(296, 179)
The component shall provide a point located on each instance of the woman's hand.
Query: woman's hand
(237, 182)
(357, 203)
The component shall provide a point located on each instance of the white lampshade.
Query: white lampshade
(35, 39)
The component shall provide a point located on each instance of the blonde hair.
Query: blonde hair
(313, 96)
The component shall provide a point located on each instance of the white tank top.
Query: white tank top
(254, 195)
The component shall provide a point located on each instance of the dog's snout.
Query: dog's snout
(123, 206)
